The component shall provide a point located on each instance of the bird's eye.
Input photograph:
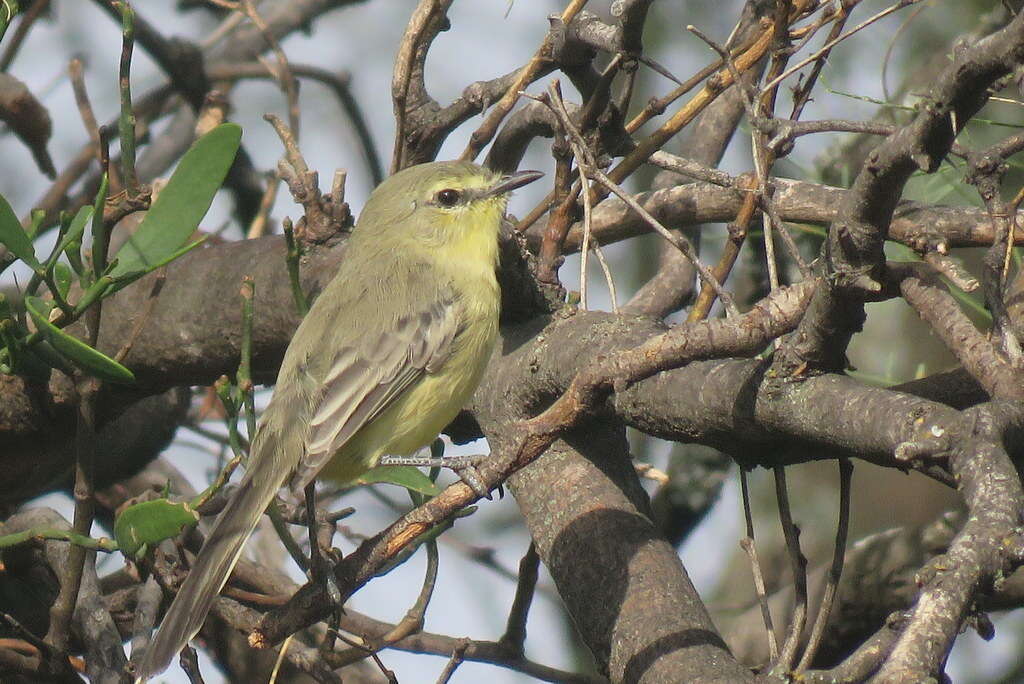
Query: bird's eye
(448, 197)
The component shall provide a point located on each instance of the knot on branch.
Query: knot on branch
(127, 202)
(1013, 549)
(325, 215)
(859, 281)
(576, 43)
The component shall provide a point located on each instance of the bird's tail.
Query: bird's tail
(218, 557)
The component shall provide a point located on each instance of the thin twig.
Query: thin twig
(63, 607)
(473, 650)
(453, 662)
(411, 623)
(658, 106)
(679, 241)
(835, 571)
(339, 83)
(405, 71)
(737, 230)
(260, 223)
(283, 72)
(127, 120)
(798, 565)
(772, 212)
(824, 49)
(688, 112)
(802, 94)
(515, 627)
(84, 105)
(563, 198)
(585, 246)
(589, 167)
(489, 127)
(608, 278)
(747, 544)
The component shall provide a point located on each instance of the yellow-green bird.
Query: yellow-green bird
(384, 360)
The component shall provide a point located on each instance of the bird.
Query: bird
(385, 358)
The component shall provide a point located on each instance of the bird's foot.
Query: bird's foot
(464, 466)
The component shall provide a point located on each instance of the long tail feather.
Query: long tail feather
(217, 559)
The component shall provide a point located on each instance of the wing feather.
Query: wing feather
(363, 381)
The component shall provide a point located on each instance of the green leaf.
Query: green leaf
(8, 8)
(73, 251)
(75, 230)
(62, 276)
(100, 234)
(10, 349)
(14, 237)
(35, 222)
(148, 523)
(79, 353)
(404, 476)
(34, 361)
(181, 205)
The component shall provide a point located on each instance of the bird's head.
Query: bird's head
(440, 201)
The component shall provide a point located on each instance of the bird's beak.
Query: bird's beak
(507, 184)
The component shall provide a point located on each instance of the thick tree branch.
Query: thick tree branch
(920, 226)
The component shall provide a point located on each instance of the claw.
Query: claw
(331, 586)
(471, 476)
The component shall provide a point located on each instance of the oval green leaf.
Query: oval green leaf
(150, 522)
(13, 236)
(79, 353)
(181, 205)
(404, 476)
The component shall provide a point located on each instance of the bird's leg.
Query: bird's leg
(320, 569)
(464, 467)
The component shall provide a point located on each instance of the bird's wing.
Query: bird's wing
(364, 379)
